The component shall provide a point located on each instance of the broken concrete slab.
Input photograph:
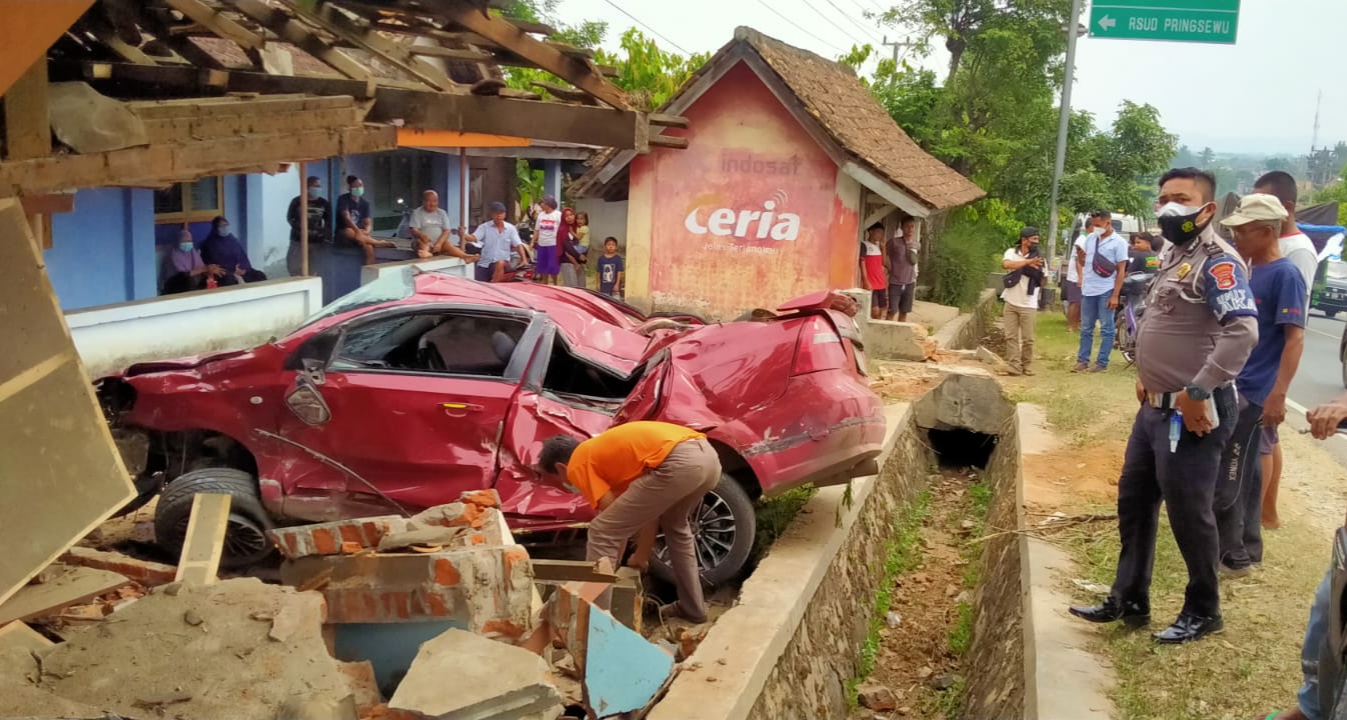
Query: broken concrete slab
(73, 586)
(967, 398)
(889, 340)
(145, 572)
(463, 676)
(17, 635)
(231, 667)
(474, 519)
(327, 538)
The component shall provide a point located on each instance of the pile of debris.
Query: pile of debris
(439, 616)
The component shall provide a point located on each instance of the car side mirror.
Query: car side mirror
(307, 403)
(315, 371)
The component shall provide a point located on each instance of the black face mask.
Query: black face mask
(1180, 229)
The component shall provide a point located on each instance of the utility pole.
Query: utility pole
(896, 45)
(1063, 125)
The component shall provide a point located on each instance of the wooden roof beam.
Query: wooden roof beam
(295, 33)
(395, 54)
(576, 71)
(218, 23)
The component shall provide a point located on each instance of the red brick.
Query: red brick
(478, 539)
(350, 533)
(446, 573)
(502, 629)
(142, 571)
(324, 542)
(351, 548)
(292, 544)
(436, 605)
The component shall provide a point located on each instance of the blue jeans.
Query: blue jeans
(1315, 633)
(1094, 308)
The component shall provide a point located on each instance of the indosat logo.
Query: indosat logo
(760, 224)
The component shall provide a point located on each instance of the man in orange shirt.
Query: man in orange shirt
(641, 476)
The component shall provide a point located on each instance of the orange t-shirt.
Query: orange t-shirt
(612, 459)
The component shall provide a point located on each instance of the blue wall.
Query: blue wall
(104, 252)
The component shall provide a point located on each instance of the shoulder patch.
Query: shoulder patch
(1223, 273)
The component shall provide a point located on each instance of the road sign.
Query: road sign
(1204, 21)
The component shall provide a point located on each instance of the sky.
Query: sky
(1257, 96)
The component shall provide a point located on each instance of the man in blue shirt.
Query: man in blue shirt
(499, 241)
(1279, 293)
(1101, 266)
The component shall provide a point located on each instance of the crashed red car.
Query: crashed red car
(421, 386)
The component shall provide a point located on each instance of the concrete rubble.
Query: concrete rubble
(436, 616)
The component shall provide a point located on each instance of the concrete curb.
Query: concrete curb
(1063, 679)
(965, 331)
(725, 677)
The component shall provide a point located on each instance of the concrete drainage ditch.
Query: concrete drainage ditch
(791, 648)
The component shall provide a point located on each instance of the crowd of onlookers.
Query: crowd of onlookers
(555, 240)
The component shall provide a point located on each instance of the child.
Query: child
(546, 236)
(875, 270)
(610, 268)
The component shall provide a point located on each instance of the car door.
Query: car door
(408, 411)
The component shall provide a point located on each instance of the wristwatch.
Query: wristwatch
(1197, 392)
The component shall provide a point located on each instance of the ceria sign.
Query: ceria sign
(760, 224)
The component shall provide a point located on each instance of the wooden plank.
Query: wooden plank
(568, 570)
(218, 23)
(179, 130)
(30, 29)
(451, 53)
(204, 545)
(668, 141)
(141, 166)
(391, 52)
(575, 71)
(294, 32)
(664, 120)
(74, 586)
(565, 93)
(507, 116)
(48, 204)
(27, 117)
(18, 636)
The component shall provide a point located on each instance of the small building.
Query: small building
(788, 158)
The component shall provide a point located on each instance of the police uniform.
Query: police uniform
(1199, 328)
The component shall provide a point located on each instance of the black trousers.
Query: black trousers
(1239, 492)
(1186, 481)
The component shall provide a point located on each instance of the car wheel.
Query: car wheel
(723, 529)
(246, 539)
(1330, 313)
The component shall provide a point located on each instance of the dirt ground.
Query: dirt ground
(917, 657)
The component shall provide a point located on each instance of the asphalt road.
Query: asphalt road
(1320, 376)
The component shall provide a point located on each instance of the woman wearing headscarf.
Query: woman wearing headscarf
(572, 254)
(184, 270)
(223, 249)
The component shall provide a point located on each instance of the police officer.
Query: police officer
(1199, 328)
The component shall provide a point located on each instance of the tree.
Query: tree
(648, 74)
(1136, 150)
(1185, 157)
(1207, 157)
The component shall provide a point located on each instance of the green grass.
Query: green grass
(775, 514)
(902, 554)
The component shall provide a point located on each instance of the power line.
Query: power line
(653, 31)
(869, 32)
(840, 29)
(797, 26)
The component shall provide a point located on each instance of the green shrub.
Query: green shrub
(969, 247)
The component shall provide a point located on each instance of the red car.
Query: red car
(417, 387)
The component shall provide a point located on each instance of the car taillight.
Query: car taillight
(819, 347)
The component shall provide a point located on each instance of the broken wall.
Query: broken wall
(995, 665)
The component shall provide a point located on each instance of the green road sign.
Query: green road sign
(1204, 21)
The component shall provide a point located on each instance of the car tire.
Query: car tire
(246, 541)
(728, 502)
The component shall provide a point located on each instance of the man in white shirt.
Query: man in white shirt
(1299, 249)
(431, 229)
(1071, 288)
(499, 240)
(1024, 277)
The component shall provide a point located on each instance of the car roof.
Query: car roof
(595, 328)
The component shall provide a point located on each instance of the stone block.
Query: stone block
(889, 340)
(485, 589)
(462, 676)
(968, 398)
(142, 571)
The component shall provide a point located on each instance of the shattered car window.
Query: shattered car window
(395, 286)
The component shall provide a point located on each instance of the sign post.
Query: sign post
(1201, 21)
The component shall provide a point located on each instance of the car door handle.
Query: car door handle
(458, 409)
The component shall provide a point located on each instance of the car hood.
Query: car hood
(182, 363)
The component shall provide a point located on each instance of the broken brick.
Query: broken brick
(351, 548)
(142, 571)
(483, 498)
(332, 538)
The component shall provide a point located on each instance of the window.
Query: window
(400, 175)
(464, 344)
(197, 201)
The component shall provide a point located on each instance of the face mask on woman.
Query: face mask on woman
(187, 246)
(357, 191)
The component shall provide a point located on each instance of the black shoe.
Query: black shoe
(1189, 627)
(1133, 614)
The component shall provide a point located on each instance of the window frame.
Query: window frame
(188, 214)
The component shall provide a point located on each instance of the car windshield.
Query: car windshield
(1337, 270)
(398, 285)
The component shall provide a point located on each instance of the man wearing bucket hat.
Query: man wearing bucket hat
(1200, 326)
(499, 240)
(1279, 292)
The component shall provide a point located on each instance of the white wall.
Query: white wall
(268, 248)
(605, 219)
(447, 265)
(111, 337)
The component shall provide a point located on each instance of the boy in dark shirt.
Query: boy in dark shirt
(610, 268)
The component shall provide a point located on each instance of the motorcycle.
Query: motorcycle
(1135, 288)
